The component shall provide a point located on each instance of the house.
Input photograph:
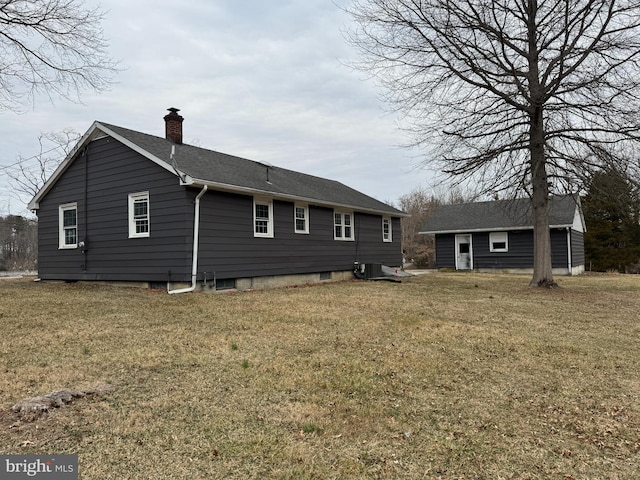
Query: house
(126, 206)
(498, 235)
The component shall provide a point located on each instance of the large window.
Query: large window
(498, 242)
(263, 218)
(139, 221)
(342, 226)
(68, 225)
(387, 235)
(301, 219)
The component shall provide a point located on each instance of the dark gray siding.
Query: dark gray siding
(229, 249)
(445, 250)
(100, 180)
(559, 248)
(577, 248)
(111, 171)
(520, 254)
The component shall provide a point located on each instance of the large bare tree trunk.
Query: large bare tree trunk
(510, 96)
(542, 270)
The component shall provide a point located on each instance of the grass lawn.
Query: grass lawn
(445, 376)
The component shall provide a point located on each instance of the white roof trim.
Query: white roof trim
(97, 128)
(492, 229)
(90, 135)
(283, 196)
(579, 224)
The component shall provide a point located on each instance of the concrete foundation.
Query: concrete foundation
(271, 281)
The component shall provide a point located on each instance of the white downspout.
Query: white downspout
(569, 252)
(196, 237)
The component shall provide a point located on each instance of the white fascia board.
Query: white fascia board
(91, 134)
(579, 224)
(474, 230)
(283, 196)
(483, 230)
(164, 164)
(34, 204)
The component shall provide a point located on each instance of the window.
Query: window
(139, 215)
(498, 242)
(342, 226)
(68, 225)
(263, 218)
(386, 230)
(301, 219)
(225, 284)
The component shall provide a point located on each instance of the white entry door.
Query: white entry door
(464, 252)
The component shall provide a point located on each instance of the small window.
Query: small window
(263, 218)
(342, 226)
(498, 242)
(139, 221)
(386, 230)
(225, 284)
(68, 225)
(301, 219)
(325, 275)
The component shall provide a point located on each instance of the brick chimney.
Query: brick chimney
(173, 126)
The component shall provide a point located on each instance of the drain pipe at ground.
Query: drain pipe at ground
(196, 237)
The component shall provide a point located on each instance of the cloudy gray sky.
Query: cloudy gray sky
(262, 80)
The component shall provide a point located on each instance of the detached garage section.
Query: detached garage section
(498, 235)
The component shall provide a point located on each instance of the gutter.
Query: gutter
(486, 229)
(225, 187)
(569, 252)
(196, 238)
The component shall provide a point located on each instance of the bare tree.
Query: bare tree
(512, 94)
(28, 175)
(51, 46)
(417, 249)
(420, 205)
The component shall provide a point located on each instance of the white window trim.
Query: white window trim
(389, 237)
(306, 218)
(61, 229)
(132, 222)
(497, 237)
(342, 237)
(269, 203)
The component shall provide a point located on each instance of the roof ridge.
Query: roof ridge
(158, 137)
(517, 199)
(200, 163)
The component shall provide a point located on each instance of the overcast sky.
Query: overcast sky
(261, 80)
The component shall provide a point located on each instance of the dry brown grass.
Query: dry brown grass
(452, 376)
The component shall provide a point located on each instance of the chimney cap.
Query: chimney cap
(173, 109)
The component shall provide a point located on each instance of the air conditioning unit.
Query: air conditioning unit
(371, 270)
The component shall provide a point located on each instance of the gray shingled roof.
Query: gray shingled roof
(217, 168)
(498, 215)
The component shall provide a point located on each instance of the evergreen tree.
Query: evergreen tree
(18, 243)
(612, 212)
